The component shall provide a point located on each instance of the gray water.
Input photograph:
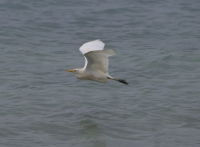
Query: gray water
(157, 45)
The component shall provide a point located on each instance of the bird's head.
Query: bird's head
(76, 70)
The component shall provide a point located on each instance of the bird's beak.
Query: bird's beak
(70, 70)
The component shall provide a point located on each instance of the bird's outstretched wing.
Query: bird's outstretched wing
(96, 59)
(91, 46)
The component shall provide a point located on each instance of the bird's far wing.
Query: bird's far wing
(98, 60)
(91, 46)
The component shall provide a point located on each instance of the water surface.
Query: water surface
(157, 47)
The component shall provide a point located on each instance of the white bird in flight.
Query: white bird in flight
(96, 63)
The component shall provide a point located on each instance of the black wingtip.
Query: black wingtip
(123, 81)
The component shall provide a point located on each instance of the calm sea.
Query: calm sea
(157, 45)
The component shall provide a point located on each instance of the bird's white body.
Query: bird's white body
(96, 63)
(91, 75)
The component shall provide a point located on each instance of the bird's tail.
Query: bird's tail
(119, 80)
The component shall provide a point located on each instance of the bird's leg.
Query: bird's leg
(119, 80)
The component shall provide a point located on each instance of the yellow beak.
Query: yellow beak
(70, 70)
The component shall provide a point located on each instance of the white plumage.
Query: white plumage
(96, 63)
(92, 46)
